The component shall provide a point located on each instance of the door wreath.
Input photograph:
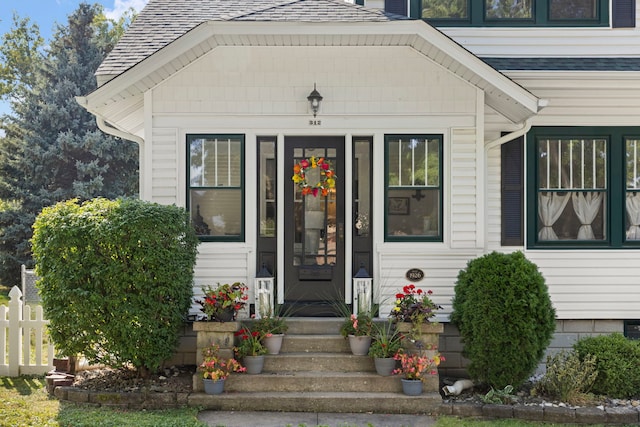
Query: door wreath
(327, 176)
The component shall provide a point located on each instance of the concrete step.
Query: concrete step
(314, 381)
(314, 325)
(313, 361)
(314, 344)
(389, 403)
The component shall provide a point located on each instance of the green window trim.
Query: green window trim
(228, 188)
(615, 191)
(541, 16)
(413, 209)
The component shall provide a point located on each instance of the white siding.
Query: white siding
(584, 98)
(277, 80)
(464, 178)
(164, 173)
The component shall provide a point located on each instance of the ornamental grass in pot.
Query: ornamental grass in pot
(386, 342)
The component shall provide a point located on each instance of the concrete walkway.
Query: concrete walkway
(306, 419)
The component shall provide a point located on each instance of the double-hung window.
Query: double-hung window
(584, 186)
(216, 186)
(413, 187)
(591, 13)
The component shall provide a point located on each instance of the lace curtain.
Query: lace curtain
(633, 213)
(586, 206)
(550, 207)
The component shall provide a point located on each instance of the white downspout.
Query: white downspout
(526, 126)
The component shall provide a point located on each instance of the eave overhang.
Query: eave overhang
(119, 100)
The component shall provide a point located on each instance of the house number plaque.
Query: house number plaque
(414, 275)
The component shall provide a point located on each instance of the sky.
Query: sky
(48, 13)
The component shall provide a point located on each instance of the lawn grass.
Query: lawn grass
(24, 402)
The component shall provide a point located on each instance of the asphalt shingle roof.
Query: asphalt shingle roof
(163, 21)
(564, 64)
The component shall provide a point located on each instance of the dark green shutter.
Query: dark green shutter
(624, 13)
(512, 192)
(398, 7)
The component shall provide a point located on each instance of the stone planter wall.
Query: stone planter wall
(208, 333)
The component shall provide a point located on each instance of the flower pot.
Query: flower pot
(61, 364)
(384, 365)
(226, 315)
(411, 387)
(213, 386)
(254, 364)
(273, 343)
(359, 344)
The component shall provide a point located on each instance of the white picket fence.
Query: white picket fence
(23, 339)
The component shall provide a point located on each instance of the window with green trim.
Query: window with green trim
(546, 13)
(215, 195)
(584, 187)
(413, 188)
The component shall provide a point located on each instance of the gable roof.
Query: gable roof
(163, 21)
(169, 35)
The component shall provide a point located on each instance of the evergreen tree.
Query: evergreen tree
(53, 150)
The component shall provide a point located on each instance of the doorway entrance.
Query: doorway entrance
(314, 250)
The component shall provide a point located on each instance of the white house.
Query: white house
(453, 132)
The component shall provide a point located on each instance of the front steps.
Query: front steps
(316, 372)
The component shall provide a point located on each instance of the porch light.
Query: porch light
(362, 286)
(314, 99)
(263, 293)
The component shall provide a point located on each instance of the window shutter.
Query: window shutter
(512, 192)
(624, 13)
(398, 7)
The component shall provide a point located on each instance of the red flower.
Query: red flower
(399, 296)
(304, 163)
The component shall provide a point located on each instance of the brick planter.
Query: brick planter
(208, 333)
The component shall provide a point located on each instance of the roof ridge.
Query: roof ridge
(240, 14)
(341, 3)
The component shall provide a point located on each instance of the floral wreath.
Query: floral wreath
(327, 176)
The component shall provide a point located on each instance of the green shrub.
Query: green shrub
(505, 318)
(617, 363)
(567, 378)
(116, 278)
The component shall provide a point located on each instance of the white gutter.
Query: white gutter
(106, 127)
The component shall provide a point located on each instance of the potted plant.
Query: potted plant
(358, 330)
(413, 312)
(250, 349)
(216, 370)
(415, 369)
(272, 327)
(386, 342)
(223, 302)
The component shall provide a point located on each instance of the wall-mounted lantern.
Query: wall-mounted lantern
(362, 291)
(264, 293)
(314, 99)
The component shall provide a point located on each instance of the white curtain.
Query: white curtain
(550, 207)
(633, 213)
(586, 206)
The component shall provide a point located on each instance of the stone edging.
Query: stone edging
(156, 400)
(547, 414)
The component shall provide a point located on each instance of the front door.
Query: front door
(314, 226)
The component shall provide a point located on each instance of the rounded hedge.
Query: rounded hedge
(505, 317)
(115, 278)
(617, 364)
